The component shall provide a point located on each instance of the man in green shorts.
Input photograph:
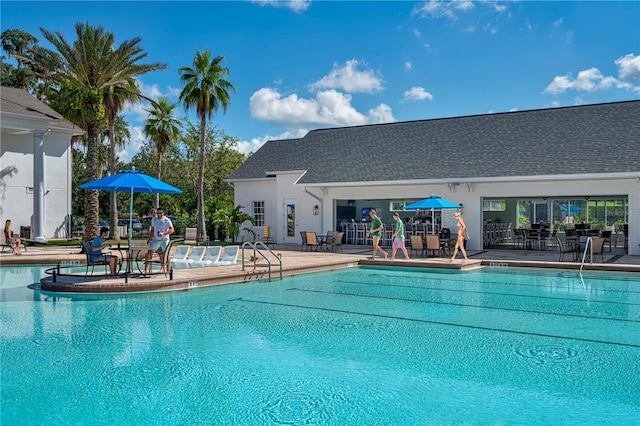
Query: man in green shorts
(376, 232)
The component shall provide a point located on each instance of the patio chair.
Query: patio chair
(303, 235)
(191, 236)
(5, 244)
(229, 256)
(607, 238)
(433, 244)
(565, 248)
(336, 242)
(445, 240)
(267, 239)
(597, 247)
(160, 258)
(417, 244)
(104, 260)
(313, 240)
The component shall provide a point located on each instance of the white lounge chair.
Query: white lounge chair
(210, 258)
(229, 256)
(179, 258)
(195, 255)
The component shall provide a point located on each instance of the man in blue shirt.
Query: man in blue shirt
(97, 245)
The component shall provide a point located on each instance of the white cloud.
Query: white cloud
(381, 114)
(350, 79)
(587, 81)
(558, 22)
(328, 108)
(295, 5)
(247, 147)
(136, 141)
(629, 67)
(408, 66)
(416, 94)
(440, 9)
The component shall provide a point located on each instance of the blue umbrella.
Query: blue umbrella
(433, 202)
(131, 181)
(570, 209)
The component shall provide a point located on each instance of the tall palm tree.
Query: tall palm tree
(163, 128)
(114, 101)
(91, 67)
(207, 89)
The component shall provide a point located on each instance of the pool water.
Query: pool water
(359, 346)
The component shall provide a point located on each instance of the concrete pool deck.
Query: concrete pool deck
(294, 262)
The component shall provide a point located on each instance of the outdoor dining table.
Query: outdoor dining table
(128, 255)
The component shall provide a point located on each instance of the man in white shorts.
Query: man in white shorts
(161, 228)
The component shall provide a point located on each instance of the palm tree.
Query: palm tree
(231, 218)
(114, 101)
(164, 129)
(206, 89)
(91, 67)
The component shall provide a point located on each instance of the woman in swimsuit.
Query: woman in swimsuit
(462, 232)
(8, 236)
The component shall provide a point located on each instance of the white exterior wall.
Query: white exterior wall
(16, 165)
(469, 195)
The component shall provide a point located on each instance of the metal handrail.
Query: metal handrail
(256, 251)
(588, 245)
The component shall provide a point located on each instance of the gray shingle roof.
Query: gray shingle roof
(19, 101)
(597, 138)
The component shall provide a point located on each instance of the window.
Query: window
(398, 205)
(258, 212)
(494, 205)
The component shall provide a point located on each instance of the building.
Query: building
(36, 165)
(550, 165)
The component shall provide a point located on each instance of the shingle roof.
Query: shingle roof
(19, 101)
(583, 139)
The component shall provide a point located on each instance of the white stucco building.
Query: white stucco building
(35, 166)
(550, 165)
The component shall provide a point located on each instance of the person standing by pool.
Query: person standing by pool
(97, 245)
(8, 237)
(398, 238)
(376, 232)
(161, 228)
(462, 233)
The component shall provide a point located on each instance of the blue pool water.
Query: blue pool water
(359, 346)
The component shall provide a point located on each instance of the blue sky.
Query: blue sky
(303, 65)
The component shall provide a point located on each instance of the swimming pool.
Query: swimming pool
(383, 346)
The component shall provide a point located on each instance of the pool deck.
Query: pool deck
(294, 262)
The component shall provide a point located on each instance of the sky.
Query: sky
(304, 65)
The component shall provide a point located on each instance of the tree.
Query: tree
(114, 101)
(90, 68)
(207, 89)
(163, 128)
(231, 218)
(15, 43)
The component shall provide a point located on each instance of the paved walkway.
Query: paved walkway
(293, 261)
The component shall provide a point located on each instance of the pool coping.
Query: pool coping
(211, 276)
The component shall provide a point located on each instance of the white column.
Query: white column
(37, 233)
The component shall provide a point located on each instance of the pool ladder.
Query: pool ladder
(587, 246)
(260, 249)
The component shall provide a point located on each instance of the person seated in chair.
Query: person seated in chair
(97, 245)
(161, 228)
(8, 236)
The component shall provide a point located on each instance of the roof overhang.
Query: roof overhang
(495, 179)
(17, 124)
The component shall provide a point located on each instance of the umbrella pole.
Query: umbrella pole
(130, 217)
(433, 220)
